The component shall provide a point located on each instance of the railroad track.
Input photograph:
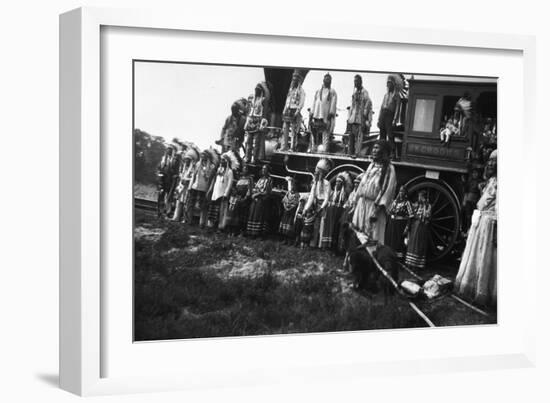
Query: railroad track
(411, 303)
(145, 204)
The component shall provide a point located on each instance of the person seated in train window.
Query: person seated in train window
(316, 204)
(292, 116)
(360, 116)
(472, 193)
(290, 203)
(419, 232)
(232, 134)
(450, 129)
(322, 117)
(389, 114)
(256, 123)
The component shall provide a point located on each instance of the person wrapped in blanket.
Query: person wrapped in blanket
(417, 245)
(199, 184)
(375, 194)
(290, 202)
(232, 133)
(322, 117)
(316, 204)
(190, 158)
(476, 280)
(239, 203)
(400, 215)
(257, 217)
(221, 189)
(334, 210)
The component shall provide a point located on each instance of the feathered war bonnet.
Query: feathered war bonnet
(347, 182)
(324, 164)
(233, 161)
(213, 155)
(396, 80)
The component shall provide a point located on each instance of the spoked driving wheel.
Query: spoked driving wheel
(445, 222)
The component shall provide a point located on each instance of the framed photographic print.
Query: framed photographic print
(243, 206)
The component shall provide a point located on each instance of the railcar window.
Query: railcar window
(424, 113)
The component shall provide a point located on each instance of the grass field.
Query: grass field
(192, 283)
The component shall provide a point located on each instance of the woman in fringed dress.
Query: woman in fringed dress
(334, 210)
(257, 224)
(290, 205)
(417, 245)
(397, 227)
(239, 203)
(477, 276)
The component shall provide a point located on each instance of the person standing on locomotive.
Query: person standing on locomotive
(232, 134)
(199, 185)
(389, 116)
(221, 189)
(375, 194)
(317, 202)
(257, 217)
(256, 122)
(292, 116)
(322, 116)
(477, 276)
(360, 116)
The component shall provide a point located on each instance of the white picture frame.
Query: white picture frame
(82, 171)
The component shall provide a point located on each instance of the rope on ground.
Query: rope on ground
(392, 281)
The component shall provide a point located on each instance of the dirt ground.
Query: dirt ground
(192, 282)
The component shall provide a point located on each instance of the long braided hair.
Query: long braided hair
(385, 161)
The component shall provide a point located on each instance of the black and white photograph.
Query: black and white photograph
(275, 200)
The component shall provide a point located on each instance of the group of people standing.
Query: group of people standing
(218, 191)
(248, 122)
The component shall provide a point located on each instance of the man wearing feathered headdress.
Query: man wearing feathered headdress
(220, 191)
(256, 122)
(292, 117)
(317, 202)
(360, 116)
(375, 194)
(232, 134)
(389, 113)
(190, 157)
(322, 116)
(199, 185)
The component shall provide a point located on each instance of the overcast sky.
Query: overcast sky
(191, 101)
